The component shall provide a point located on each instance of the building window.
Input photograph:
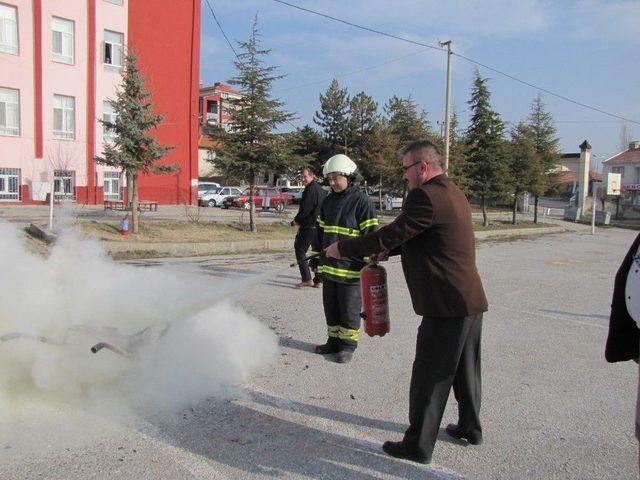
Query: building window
(9, 112)
(63, 117)
(62, 40)
(64, 184)
(116, 2)
(8, 29)
(111, 185)
(108, 115)
(619, 170)
(9, 184)
(113, 48)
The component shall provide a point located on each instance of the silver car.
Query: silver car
(215, 196)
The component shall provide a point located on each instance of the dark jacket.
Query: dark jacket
(312, 198)
(347, 214)
(622, 342)
(434, 234)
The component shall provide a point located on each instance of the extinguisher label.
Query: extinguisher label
(379, 304)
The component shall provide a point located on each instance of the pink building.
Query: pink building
(60, 61)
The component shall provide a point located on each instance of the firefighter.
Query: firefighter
(345, 213)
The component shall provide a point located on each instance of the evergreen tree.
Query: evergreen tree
(406, 122)
(333, 117)
(486, 156)
(363, 118)
(251, 146)
(309, 144)
(545, 144)
(133, 150)
(457, 154)
(382, 166)
(523, 166)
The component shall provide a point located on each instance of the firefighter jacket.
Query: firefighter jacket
(343, 215)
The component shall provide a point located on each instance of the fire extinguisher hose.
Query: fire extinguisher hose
(307, 258)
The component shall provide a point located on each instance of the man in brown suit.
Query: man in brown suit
(434, 235)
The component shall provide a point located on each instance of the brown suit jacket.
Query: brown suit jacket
(434, 234)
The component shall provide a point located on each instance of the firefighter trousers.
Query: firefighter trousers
(301, 245)
(342, 305)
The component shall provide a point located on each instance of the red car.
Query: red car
(277, 199)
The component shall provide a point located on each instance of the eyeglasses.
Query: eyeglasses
(405, 169)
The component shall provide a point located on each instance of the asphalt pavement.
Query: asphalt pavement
(552, 407)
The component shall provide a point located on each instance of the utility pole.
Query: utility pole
(446, 108)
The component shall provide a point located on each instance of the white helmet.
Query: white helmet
(340, 164)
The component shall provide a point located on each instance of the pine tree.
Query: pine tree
(251, 146)
(382, 165)
(457, 155)
(486, 156)
(363, 119)
(309, 144)
(134, 151)
(406, 122)
(523, 166)
(333, 117)
(545, 144)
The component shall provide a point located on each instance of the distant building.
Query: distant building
(60, 61)
(213, 105)
(627, 164)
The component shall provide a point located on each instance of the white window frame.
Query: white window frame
(65, 107)
(65, 29)
(9, 184)
(108, 115)
(111, 47)
(9, 38)
(64, 184)
(116, 2)
(112, 185)
(9, 112)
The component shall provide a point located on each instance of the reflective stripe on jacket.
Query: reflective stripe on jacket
(343, 215)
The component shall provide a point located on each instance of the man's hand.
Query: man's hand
(382, 256)
(332, 251)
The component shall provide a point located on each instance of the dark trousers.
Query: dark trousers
(342, 311)
(301, 245)
(447, 353)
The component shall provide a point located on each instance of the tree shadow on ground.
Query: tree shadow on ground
(259, 444)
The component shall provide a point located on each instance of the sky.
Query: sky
(587, 51)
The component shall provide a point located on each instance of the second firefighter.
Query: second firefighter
(346, 212)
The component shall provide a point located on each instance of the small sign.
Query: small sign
(194, 182)
(613, 183)
(631, 186)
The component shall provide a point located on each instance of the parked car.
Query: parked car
(295, 192)
(215, 196)
(389, 201)
(277, 199)
(205, 187)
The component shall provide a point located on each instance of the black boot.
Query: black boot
(330, 347)
(399, 450)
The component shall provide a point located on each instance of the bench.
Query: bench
(121, 205)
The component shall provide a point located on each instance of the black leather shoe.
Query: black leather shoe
(326, 348)
(398, 450)
(455, 431)
(344, 356)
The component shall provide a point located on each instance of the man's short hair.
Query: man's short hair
(309, 169)
(424, 148)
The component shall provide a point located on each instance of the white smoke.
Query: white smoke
(193, 344)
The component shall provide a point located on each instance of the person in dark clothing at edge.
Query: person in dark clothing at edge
(434, 234)
(623, 340)
(306, 220)
(346, 212)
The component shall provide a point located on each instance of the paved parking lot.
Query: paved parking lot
(552, 407)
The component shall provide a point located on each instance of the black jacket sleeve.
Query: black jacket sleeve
(623, 338)
(308, 205)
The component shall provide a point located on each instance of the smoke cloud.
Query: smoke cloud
(184, 341)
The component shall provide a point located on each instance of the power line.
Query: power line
(220, 26)
(379, 32)
(354, 72)
(511, 77)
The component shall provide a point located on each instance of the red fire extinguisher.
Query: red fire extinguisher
(124, 225)
(375, 302)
